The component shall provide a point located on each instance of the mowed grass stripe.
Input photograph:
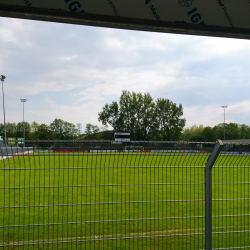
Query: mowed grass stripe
(139, 178)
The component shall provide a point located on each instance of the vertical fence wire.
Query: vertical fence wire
(133, 195)
(231, 197)
(137, 198)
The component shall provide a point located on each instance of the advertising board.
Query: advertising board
(20, 140)
(122, 136)
(228, 18)
(12, 141)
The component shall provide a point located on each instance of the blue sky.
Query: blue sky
(70, 71)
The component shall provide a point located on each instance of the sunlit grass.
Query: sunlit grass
(84, 199)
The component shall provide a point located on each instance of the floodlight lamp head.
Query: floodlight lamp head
(23, 100)
(225, 106)
(3, 78)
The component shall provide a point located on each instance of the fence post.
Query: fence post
(208, 194)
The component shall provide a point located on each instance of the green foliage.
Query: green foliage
(56, 127)
(43, 132)
(91, 129)
(194, 133)
(93, 132)
(57, 130)
(144, 118)
(232, 131)
(168, 119)
(19, 130)
(208, 134)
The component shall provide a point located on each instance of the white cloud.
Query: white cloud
(70, 71)
(211, 47)
(212, 115)
(67, 58)
(241, 109)
(53, 105)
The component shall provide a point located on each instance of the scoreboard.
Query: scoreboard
(122, 136)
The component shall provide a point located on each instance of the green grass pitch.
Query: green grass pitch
(121, 201)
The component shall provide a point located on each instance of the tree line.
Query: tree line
(201, 133)
(193, 133)
(56, 130)
(140, 115)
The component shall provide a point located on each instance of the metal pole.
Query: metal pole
(2, 79)
(224, 107)
(23, 101)
(224, 123)
(23, 127)
(208, 194)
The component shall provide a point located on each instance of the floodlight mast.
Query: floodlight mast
(224, 107)
(23, 101)
(2, 78)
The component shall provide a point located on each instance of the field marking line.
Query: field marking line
(107, 236)
(111, 236)
(142, 234)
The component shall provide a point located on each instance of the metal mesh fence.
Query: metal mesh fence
(231, 197)
(137, 195)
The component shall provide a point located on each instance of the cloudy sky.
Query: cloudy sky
(70, 72)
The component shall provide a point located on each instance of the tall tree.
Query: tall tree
(137, 113)
(93, 132)
(11, 130)
(69, 131)
(133, 114)
(168, 118)
(62, 130)
(79, 129)
(43, 132)
(19, 130)
(208, 134)
(34, 126)
(91, 129)
(57, 129)
(244, 131)
(193, 133)
(232, 131)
